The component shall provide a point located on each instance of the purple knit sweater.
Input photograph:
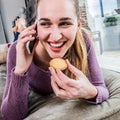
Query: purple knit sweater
(15, 100)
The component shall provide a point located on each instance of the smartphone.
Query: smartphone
(30, 44)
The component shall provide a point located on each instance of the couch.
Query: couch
(53, 108)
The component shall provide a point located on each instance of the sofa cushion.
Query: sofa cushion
(2, 81)
(3, 53)
(54, 108)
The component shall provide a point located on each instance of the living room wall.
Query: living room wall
(9, 10)
(2, 35)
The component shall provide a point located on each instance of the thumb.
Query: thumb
(74, 70)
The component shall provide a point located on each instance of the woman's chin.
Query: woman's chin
(56, 55)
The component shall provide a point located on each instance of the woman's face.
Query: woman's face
(57, 26)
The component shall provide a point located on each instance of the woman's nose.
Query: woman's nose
(55, 34)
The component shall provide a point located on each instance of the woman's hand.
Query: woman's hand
(23, 58)
(67, 88)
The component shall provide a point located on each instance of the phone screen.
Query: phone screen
(30, 45)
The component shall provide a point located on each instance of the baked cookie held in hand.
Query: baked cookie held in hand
(58, 63)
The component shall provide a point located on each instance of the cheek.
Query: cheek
(42, 34)
(70, 34)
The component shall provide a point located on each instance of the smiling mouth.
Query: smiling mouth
(56, 45)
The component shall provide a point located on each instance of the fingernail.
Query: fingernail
(67, 61)
(58, 70)
(50, 68)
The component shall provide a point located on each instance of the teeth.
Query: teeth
(56, 45)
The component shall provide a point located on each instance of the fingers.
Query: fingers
(67, 88)
(25, 36)
(66, 80)
(74, 70)
(61, 79)
(58, 80)
(28, 32)
(63, 86)
(58, 91)
(55, 77)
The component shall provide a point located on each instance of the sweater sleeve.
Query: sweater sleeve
(14, 104)
(96, 76)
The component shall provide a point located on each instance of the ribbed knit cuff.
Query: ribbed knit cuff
(18, 80)
(101, 96)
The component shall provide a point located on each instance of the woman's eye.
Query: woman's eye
(65, 24)
(45, 24)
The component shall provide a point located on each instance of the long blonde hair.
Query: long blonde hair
(77, 54)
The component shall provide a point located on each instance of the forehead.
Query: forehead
(56, 8)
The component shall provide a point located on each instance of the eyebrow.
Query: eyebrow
(66, 18)
(61, 19)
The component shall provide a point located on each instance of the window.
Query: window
(104, 17)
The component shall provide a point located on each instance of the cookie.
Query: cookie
(58, 63)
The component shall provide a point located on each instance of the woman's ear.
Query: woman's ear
(79, 23)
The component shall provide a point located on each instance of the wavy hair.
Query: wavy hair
(77, 54)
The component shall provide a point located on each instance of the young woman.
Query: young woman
(59, 34)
